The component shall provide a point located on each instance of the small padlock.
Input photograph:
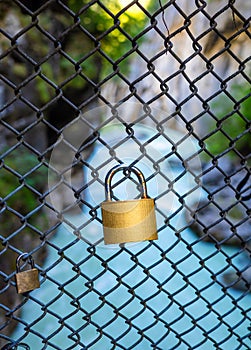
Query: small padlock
(26, 280)
(128, 220)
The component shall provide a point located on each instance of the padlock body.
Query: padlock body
(27, 280)
(129, 221)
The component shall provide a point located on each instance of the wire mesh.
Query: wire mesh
(164, 86)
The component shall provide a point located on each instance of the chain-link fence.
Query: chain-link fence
(87, 86)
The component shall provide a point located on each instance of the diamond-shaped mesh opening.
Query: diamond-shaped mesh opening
(163, 86)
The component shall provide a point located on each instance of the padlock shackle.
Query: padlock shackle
(22, 257)
(116, 169)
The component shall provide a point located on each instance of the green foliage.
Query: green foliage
(113, 28)
(21, 179)
(232, 127)
(93, 48)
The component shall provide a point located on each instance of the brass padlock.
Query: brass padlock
(128, 220)
(26, 280)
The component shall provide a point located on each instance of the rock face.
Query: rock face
(223, 217)
(239, 280)
(190, 63)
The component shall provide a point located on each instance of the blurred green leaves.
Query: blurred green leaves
(76, 46)
(22, 180)
(231, 127)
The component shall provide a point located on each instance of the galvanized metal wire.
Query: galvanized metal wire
(54, 97)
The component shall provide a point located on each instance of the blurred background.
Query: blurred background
(161, 85)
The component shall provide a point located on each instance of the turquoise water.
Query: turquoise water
(175, 305)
